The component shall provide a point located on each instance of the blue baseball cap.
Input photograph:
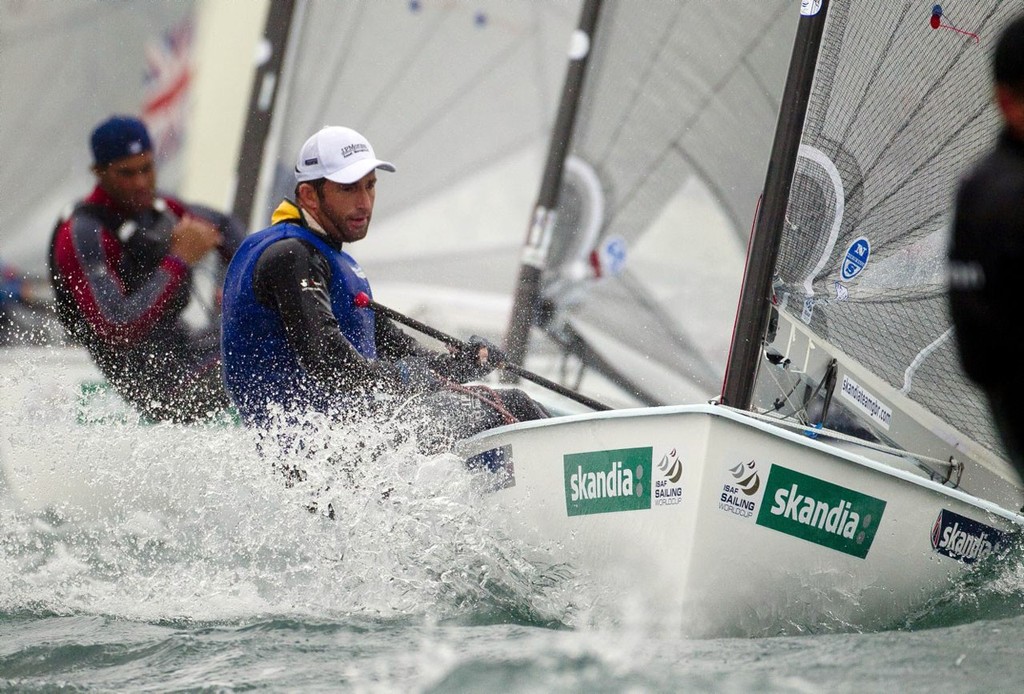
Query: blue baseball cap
(118, 137)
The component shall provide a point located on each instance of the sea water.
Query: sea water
(190, 563)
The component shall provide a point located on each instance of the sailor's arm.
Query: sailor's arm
(293, 279)
(85, 255)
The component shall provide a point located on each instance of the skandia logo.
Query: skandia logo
(356, 148)
(820, 512)
(607, 481)
(964, 539)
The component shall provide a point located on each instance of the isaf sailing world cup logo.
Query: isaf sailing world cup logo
(667, 490)
(738, 495)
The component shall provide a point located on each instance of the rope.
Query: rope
(920, 461)
(487, 396)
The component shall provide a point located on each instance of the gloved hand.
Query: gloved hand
(495, 357)
(415, 374)
(470, 361)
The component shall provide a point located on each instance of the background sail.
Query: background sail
(898, 112)
(677, 115)
(65, 66)
(461, 96)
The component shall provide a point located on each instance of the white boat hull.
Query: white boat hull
(708, 519)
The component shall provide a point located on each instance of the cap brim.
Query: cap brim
(351, 174)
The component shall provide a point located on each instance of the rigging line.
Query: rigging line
(920, 460)
(908, 375)
(570, 340)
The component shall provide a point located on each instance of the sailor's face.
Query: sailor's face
(345, 208)
(130, 181)
(1011, 103)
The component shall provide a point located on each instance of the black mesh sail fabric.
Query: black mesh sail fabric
(901, 106)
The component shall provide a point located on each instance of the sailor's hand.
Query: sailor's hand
(487, 353)
(192, 238)
(477, 358)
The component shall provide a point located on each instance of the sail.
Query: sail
(900, 107)
(64, 67)
(446, 91)
(667, 161)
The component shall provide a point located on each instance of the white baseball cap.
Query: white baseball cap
(338, 154)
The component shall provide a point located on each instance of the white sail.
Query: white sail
(65, 66)
(676, 117)
(460, 96)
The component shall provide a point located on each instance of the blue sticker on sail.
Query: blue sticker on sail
(615, 255)
(856, 258)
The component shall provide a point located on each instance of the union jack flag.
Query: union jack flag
(166, 85)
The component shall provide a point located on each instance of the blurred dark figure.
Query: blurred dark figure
(987, 255)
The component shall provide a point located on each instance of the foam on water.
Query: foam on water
(195, 523)
(167, 523)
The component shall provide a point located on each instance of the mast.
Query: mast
(762, 252)
(538, 237)
(261, 107)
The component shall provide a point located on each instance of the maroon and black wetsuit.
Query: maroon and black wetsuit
(121, 294)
